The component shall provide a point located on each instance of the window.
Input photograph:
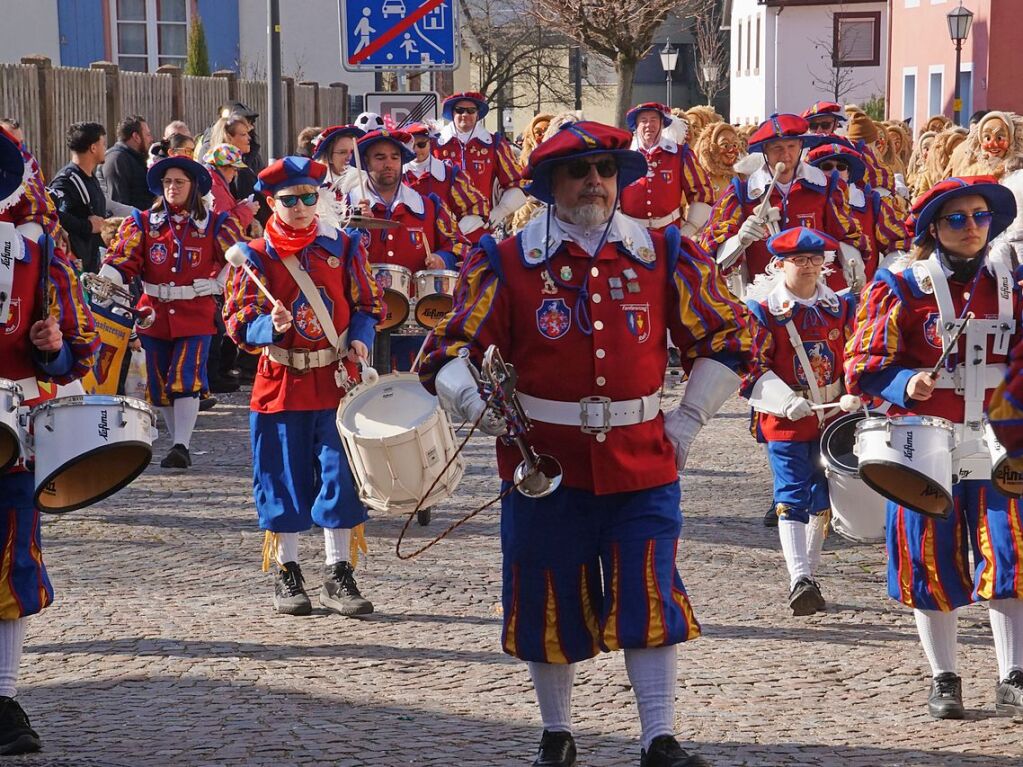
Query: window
(909, 96)
(149, 33)
(856, 40)
(749, 34)
(738, 56)
(756, 64)
(935, 95)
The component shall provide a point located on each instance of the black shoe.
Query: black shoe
(1009, 695)
(665, 751)
(946, 700)
(806, 597)
(557, 749)
(341, 594)
(16, 733)
(289, 592)
(177, 458)
(207, 403)
(771, 517)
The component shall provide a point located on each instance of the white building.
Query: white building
(787, 54)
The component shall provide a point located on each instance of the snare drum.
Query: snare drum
(858, 513)
(435, 290)
(1007, 480)
(396, 283)
(10, 432)
(398, 440)
(88, 447)
(908, 459)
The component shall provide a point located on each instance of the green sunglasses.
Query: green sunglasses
(291, 200)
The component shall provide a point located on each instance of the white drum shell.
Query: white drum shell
(10, 429)
(398, 440)
(858, 513)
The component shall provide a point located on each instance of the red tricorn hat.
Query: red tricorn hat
(476, 97)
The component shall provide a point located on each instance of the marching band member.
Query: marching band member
(309, 340)
(904, 322)
(581, 302)
(428, 175)
(801, 196)
(334, 148)
(674, 176)
(824, 118)
(799, 332)
(485, 157)
(58, 347)
(177, 249)
(883, 229)
(1005, 411)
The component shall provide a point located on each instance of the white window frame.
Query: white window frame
(152, 32)
(906, 72)
(935, 69)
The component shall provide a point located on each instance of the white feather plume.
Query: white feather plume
(332, 213)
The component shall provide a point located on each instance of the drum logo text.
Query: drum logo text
(104, 425)
(907, 448)
(6, 257)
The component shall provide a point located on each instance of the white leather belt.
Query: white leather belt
(593, 415)
(994, 374)
(301, 360)
(165, 292)
(657, 223)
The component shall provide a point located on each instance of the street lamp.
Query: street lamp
(669, 58)
(959, 21)
(710, 77)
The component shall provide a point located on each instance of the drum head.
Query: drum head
(907, 488)
(9, 447)
(92, 476)
(396, 404)
(1008, 480)
(837, 441)
(430, 310)
(396, 305)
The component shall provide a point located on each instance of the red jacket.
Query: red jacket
(674, 177)
(487, 159)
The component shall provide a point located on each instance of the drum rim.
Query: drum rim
(829, 432)
(40, 486)
(378, 267)
(98, 400)
(919, 475)
(435, 272)
(874, 422)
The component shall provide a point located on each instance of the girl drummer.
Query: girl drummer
(177, 249)
(799, 328)
(903, 325)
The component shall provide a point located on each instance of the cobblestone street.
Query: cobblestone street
(162, 647)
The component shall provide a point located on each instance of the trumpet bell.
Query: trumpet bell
(543, 480)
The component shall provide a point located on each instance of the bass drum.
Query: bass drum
(398, 441)
(857, 512)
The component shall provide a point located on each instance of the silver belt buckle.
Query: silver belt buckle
(584, 415)
(298, 354)
(163, 292)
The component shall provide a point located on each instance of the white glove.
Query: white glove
(460, 397)
(697, 217)
(205, 286)
(773, 216)
(852, 267)
(511, 200)
(709, 387)
(796, 407)
(469, 224)
(752, 230)
(900, 186)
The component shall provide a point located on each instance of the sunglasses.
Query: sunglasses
(830, 166)
(981, 218)
(814, 124)
(606, 168)
(291, 200)
(422, 144)
(465, 110)
(817, 259)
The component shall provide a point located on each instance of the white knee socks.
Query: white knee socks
(186, 410)
(337, 545)
(553, 685)
(1007, 628)
(938, 632)
(793, 545)
(287, 547)
(816, 531)
(653, 671)
(12, 637)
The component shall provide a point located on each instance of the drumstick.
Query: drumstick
(426, 242)
(948, 349)
(850, 403)
(236, 258)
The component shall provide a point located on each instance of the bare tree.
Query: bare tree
(837, 79)
(711, 50)
(619, 30)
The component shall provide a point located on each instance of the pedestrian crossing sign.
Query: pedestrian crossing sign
(417, 35)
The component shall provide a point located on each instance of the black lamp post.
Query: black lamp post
(959, 22)
(669, 58)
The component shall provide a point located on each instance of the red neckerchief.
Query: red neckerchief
(285, 240)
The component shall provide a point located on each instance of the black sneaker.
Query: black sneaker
(289, 592)
(946, 700)
(557, 749)
(771, 517)
(177, 458)
(341, 594)
(806, 597)
(16, 733)
(1009, 695)
(665, 751)
(207, 403)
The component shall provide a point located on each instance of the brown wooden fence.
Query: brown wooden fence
(47, 99)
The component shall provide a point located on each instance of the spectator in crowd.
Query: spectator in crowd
(177, 126)
(81, 204)
(305, 140)
(124, 170)
(224, 162)
(13, 127)
(230, 110)
(174, 145)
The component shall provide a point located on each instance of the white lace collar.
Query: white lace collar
(664, 142)
(432, 165)
(157, 218)
(760, 179)
(633, 237)
(782, 302)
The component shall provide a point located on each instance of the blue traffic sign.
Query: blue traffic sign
(398, 34)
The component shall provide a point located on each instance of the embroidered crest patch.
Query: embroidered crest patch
(822, 362)
(637, 320)
(306, 324)
(13, 319)
(932, 329)
(158, 253)
(553, 318)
